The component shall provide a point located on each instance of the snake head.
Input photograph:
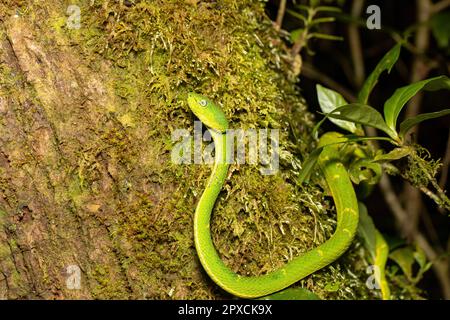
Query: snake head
(207, 112)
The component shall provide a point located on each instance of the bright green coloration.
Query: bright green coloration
(257, 286)
(394, 105)
(330, 100)
(377, 247)
(203, 108)
(385, 64)
(381, 256)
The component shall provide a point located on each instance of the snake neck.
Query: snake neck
(222, 156)
(202, 234)
(214, 185)
(221, 160)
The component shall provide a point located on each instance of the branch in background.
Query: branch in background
(445, 165)
(419, 71)
(430, 194)
(442, 5)
(280, 15)
(312, 73)
(356, 52)
(413, 200)
(422, 40)
(355, 44)
(440, 264)
(430, 229)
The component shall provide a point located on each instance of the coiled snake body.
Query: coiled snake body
(339, 185)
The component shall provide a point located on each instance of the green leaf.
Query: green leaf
(314, 3)
(308, 165)
(328, 9)
(394, 242)
(329, 100)
(382, 254)
(404, 257)
(297, 15)
(401, 96)
(292, 294)
(324, 36)
(421, 259)
(367, 230)
(362, 114)
(406, 125)
(322, 20)
(395, 154)
(353, 138)
(295, 34)
(366, 171)
(386, 63)
(302, 7)
(441, 29)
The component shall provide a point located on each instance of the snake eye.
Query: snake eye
(203, 103)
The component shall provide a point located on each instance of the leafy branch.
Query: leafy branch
(351, 117)
(308, 15)
(420, 170)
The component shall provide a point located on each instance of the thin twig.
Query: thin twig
(437, 7)
(430, 194)
(355, 44)
(430, 228)
(445, 165)
(312, 73)
(280, 15)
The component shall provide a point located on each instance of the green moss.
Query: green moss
(107, 286)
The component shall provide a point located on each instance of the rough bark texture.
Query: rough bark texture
(86, 178)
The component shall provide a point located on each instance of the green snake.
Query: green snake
(339, 185)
